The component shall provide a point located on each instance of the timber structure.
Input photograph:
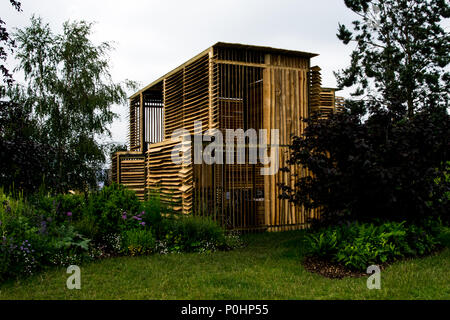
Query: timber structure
(227, 86)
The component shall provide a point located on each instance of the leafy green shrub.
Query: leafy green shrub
(32, 237)
(111, 207)
(71, 205)
(153, 214)
(6, 257)
(68, 238)
(19, 240)
(64, 245)
(138, 242)
(87, 226)
(59, 208)
(377, 167)
(61, 230)
(358, 245)
(192, 234)
(233, 241)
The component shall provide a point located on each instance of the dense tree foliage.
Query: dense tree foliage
(27, 161)
(401, 54)
(374, 169)
(387, 154)
(69, 92)
(6, 42)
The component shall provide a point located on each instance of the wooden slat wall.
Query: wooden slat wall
(172, 181)
(315, 89)
(284, 61)
(173, 103)
(339, 103)
(134, 124)
(153, 116)
(252, 93)
(323, 101)
(196, 94)
(285, 103)
(238, 187)
(128, 168)
(114, 168)
(187, 97)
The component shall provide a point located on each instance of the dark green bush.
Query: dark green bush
(59, 208)
(153, 217)
(110, 209)
(137, 242)
(88, 227)
(358, 245)
(375, 168)
(192, 234)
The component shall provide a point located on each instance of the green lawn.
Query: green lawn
(268, 268)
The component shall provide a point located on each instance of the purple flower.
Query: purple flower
(69, 214)
(124, 217)
(142, 223)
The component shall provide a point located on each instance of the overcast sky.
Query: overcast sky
(153, 37)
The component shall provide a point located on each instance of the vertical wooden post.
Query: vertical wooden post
(211, 71)
(141, 123)
(118, 168)
(164, 114)
(130, 125)
(266, 125)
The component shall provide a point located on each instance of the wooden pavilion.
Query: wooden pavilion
(227, 86)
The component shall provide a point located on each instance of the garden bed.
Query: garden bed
(329, 269)
(268, 268)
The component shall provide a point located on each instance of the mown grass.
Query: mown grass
(267, 268)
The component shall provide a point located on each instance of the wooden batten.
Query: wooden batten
(129, 170)
(172, 181)
(285, 103)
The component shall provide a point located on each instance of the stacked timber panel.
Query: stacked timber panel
(327, 103)
(173, 103)
(315, 89)
(339, 103)
(130, 171)
(114, 167)
(196, 94)
(134, 124)
(187, 97)
(170, 180)
(322, 100)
